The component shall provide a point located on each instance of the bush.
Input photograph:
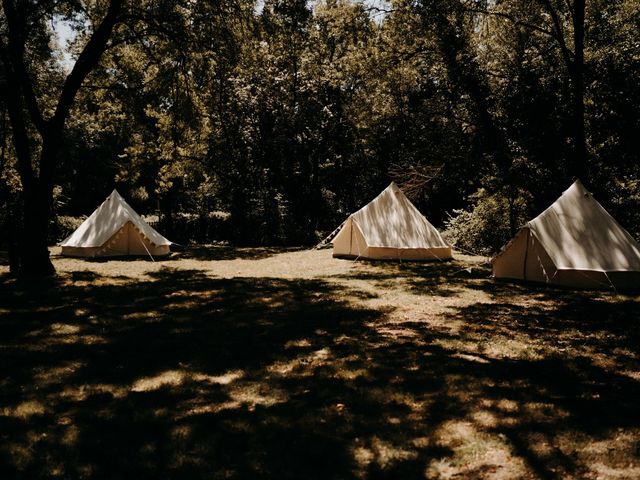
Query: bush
(485, 227)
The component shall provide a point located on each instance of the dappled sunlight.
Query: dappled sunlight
(170, 378)
(60, 333)
(81, 393)
(632, 374)
(299, 343)
(475, 453)
(254, 394)
(470, 358)
(63, 329)
(224, 379)
(511, 348)
(614, 456)
(25, 410)
(57, 374)
(383, 375)
(383, 453)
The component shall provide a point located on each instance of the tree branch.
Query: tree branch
(87, 60)
(512, 19)
(18, 124)
(557, 25)
(14, 63)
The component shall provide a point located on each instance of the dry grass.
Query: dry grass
(264, 363)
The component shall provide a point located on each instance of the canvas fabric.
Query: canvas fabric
(390, 227)
(114, 228)
(575, 242)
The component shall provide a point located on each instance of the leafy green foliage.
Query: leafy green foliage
(484, 227)
(289, 115)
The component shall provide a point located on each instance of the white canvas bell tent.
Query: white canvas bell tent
(390, 227)
(114, 229)
(574, 243)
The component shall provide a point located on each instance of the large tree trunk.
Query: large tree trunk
(574, 62)
(34, 251)
(579, 136)
(24, 109)
(12, 226)
(38, 200)
(465, 73)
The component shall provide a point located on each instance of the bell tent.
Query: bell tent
(574, 243)
(390, 227)
(114, 229)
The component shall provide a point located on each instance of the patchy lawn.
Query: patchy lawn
(264, 363)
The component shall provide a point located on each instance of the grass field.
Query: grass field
(288, 364)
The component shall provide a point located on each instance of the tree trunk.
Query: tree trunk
(23, 104)
(12, 236)
(38, 200)
(33, 248)
(579, 136)
(14, 257)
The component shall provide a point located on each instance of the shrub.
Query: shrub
(484, 228)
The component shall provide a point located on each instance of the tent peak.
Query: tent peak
(577, 183)
(578, 187)
(394, 187)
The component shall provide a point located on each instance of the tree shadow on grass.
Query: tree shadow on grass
(574, 383)
(183, 376)
(188, 376)
(4, 257)
(228, 252)
(189, 252)
(440, 278)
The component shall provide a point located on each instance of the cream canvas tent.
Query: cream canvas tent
(574, 243)
(114, 229)
(390, 227)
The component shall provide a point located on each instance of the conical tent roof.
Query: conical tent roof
(574, 243)
(391, 220)
(579, 234)
(108, 219)
(389, 227)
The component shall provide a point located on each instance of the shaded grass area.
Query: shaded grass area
(438, 277)
(186, 252)
(182, 375)
(228, 252)
(4, 257)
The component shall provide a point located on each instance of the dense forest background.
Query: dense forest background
(268, 123)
